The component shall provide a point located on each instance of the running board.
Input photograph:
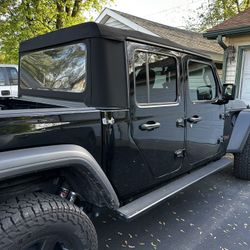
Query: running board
(146, 202)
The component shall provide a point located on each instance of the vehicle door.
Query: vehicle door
(156, 107)
(205, 124)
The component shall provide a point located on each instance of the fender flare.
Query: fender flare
(25, 161)
(240, 133)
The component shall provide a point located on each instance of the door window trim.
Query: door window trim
(215, 80)
(158, 104)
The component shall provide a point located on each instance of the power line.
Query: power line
(174, 8)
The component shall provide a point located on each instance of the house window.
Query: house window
(243, 74)
(155, 77)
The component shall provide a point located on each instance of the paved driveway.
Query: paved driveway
(211, 214)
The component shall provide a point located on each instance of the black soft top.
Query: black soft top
(96, 30)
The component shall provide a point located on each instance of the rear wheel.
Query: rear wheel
(44, 222)
(242, 162)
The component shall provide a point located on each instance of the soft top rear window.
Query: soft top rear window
(58, 69)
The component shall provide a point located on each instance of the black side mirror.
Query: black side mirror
(228, 92)
(204, 93)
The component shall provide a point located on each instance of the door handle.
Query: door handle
(194, 119)
(150, 125)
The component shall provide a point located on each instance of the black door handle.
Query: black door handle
(194, 119)
(151, 125)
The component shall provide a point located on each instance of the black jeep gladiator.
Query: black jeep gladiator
(108, 119)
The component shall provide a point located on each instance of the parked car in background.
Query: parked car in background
(8, 80)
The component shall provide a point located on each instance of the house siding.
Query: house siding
(116, 24)
(231, 72)
(232, 66)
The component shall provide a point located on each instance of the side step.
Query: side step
(144, 203)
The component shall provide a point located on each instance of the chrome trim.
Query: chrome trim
(147, 77)
(152, 105)
(160, 104)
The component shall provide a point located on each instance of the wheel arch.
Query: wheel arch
(77, 164)
(240, 133)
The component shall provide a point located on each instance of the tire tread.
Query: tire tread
(242, 162)
(25, 212)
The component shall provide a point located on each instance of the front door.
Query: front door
(205, 124)
(156, 107)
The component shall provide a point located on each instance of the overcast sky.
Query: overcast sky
(169, 12)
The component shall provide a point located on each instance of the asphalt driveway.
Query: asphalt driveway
(211, 214)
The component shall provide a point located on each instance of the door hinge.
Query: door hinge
(180, 153)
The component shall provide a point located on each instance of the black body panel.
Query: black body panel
(42, 127)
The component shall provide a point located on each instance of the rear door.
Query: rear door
(156, 107)
(205, 124)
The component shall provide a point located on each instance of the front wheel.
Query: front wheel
(242, 162)
(41, 221)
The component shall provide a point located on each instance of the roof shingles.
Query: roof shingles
(238, 21)
(183, 37)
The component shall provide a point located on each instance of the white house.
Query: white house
(234, 35)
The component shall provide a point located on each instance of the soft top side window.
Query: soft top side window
(59, 69)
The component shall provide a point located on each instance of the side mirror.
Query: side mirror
(228, 92)
(204, 93)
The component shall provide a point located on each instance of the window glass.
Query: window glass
(2, 77)
(60, 69)
(201, 82)
(141, 77)
(12, 74)
(155, 77)
(162, 78)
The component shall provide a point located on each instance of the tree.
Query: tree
(214, 12)
(24, 19)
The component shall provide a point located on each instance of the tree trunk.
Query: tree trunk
(76, 8)
(59, 16)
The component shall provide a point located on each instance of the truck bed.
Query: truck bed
(30, 123)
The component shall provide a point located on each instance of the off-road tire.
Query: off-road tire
(27, 217)
(242, 162)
